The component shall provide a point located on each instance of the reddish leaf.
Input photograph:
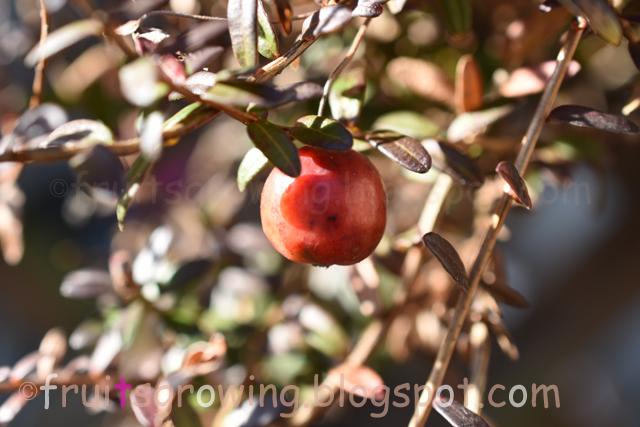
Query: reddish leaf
(469, 85)
(349, 376)
(448, 257)
(518, 189)
(580, 116)
(457, 414)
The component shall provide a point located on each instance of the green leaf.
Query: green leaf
(244, 93)
(347, 96)
(457, 13)
(250, 166)
(134, 179)
(602, 18)
(404, 150)
(408, 123)
(276, 146)
(321, 132)
(242, 16)
(267, 39)
(62, 38)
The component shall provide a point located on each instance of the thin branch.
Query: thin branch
(347, 59)
(41, 67)
(423, 408)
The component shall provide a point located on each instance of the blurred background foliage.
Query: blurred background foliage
(203, 266)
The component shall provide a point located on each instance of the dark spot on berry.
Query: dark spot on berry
(332, 218)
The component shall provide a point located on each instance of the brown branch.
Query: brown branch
(423, 408)
(347, 59)
(41, 67)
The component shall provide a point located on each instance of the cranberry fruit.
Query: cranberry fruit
(333, 213)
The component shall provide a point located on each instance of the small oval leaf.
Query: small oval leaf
(469, 85)
(242, 16)
(447, 159)
(80, 133)
(326, 20)
(580, 116)
(518, 189)
(364, 381)
(86, 283)
(602, 18)
(368, 9)
(448, 257)
(467, 124)
(276, 146)
(250, 166)
(404, 150)
(322, 132)
(458, 415)
(62, 38)
(423, 78)
(267, 39)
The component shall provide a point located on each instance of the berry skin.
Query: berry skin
(335, 212)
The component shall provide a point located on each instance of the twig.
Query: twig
(423, 408)
(41, 67)
(377, 329)
(347, 59)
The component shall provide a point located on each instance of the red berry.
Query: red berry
(333, 213)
